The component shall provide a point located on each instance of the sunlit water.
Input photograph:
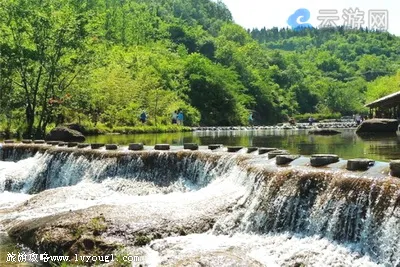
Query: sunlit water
(347, 145)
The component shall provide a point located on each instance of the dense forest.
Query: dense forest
(100, 63)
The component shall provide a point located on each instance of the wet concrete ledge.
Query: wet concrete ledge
(11, 151)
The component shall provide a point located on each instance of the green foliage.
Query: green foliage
(382, 87)
(317, 116)
(101, 63)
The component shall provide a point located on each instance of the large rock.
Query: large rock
(275, 153)
(378, 126)
(324, 132)
(65, 134)
(359, 164)
(395, 168)
(285, 159)
(76, 127)
(320, 160)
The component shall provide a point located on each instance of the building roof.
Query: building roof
(387, 101)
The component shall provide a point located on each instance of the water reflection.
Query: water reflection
(347, 145)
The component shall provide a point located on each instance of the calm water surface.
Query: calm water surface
(347, 145)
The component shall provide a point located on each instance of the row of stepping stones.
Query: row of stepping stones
(282, 157)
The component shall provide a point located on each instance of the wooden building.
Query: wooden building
(387, 107)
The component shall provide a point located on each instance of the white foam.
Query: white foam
(269, 250)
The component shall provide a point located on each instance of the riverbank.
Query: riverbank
(148, 129)
(103, 130)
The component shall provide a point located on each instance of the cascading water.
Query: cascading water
(236, 210)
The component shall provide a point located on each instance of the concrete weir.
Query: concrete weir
(94, 199)
(11, 150)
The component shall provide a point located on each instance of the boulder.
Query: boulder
(275, 153)
(323, 160)
(359, 164)
(111, 147)
(191, 146)
(285, 159)
(76, 127)
(324, 132)
(252, 149)
(395, 168)
(83, 145)
(136, 147)
(53, 143)
(72, 144)
(378, 126)
(234, 149)
(215, 146)
(96, 146)
(162, 147)
(65, 134)
(265, 150)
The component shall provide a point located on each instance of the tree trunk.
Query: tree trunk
(30, 120)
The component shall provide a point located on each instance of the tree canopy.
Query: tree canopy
(102, 62)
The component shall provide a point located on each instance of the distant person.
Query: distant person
(143, 117)
(251, 120)
(310, 121)
(175, 117)
(358, 119)
(180, 117)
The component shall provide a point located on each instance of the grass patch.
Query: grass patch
(100, 129)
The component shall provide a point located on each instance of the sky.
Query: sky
(275, 13)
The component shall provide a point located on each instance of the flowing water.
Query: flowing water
(260, 215)
(347, 145)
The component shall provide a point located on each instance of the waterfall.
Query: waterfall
(362, 212)
(250, 194)
(51, 170)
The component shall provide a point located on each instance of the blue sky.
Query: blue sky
(275, 13)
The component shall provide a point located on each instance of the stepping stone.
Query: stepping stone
(324, 132)
(191, 146)
(72, 144)
(83, 145)
(275, 153)
(234, 149)
(9, 141)
(214, 146)
(111, 147)
(62, 144)
(285, 159)
(53, 143)
(359, 164)
(96, 146)
(265, 150)
(39, 142)
(252, 149)
(27, 141)
(320, 160)
(395, 168)
(136, 147)
(163, 147)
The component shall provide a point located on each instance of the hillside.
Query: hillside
(101, 62)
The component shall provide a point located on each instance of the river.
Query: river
(347, 145)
